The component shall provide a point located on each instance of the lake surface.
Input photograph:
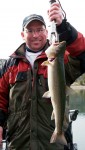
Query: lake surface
(77, 101)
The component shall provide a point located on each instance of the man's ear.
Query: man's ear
(22, 35)
(47, 33)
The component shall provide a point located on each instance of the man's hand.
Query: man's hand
(55, 13)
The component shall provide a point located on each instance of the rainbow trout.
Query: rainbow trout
(57, 88)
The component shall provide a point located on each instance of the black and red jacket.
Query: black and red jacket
(75, 48)
(19, 82)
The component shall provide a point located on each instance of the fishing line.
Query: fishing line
(63, 11)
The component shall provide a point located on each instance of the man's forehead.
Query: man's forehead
(35, 23)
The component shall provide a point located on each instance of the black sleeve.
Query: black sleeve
(3, 118)
(74, 68)
(81, 57)
(67, 32)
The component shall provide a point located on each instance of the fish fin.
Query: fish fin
(52, 116)
(45, 63)
(46, 94)
(59, 138)
(69, 91)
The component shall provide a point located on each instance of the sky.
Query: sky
(12, 13)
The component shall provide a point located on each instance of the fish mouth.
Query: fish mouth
(51, 59)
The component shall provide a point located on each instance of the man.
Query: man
(23, 80)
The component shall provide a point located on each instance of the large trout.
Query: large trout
(57, 88)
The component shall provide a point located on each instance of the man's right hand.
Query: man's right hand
(55, 13)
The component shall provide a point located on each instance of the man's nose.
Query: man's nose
(35, 33)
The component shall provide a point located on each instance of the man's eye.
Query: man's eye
(41, 30)
(30, 31)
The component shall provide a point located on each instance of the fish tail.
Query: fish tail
(60, 138)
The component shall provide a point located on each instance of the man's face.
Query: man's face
(35, 35)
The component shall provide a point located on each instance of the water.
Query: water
(77, 101)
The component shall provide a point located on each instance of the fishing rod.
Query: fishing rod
(54, 37)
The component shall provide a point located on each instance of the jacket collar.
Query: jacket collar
(20, 51)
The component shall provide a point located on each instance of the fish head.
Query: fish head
(51, 50)
(56, 49)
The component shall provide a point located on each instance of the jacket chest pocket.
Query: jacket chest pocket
(21, 77)
(21, 88)
(20, 91)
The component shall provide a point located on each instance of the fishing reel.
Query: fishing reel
(73, 114)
